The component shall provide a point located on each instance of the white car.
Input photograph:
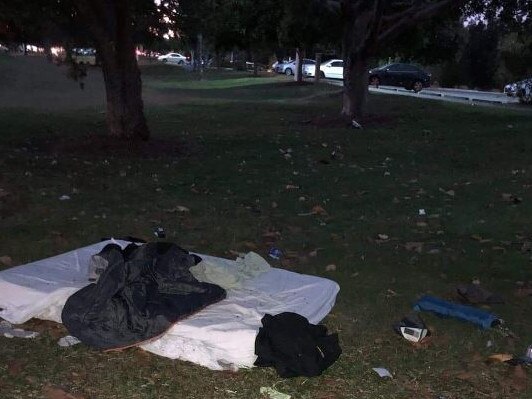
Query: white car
(289, 67)
(173, 58)
(333, 69)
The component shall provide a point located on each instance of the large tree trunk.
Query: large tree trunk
(355, 87)
(254, 58)
(123, 87)
(317, 70)
(112, 29)
(367, 24)
(357, 43)
(200, 55)
(300, 55)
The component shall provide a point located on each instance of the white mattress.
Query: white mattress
(221, 336)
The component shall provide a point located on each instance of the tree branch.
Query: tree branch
(373, 27)
(412, 17)
(402, 14)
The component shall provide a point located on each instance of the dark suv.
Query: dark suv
(408, 76)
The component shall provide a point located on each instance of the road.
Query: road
(457, 95)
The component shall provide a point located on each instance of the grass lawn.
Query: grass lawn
(470, 168)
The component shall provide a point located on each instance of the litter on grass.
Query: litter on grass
(475, 294)
(273, 394)
(8, 331)
(412, 328)
(159, 232)
(275, 253)
(69, 340)
(443, 308)
(382, 372)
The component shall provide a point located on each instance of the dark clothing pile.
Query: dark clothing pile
(142, 291)
(295, 347)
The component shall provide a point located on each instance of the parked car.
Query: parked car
(84, 56)
(172, 58)
(408, 76)
(522, 90)
(289, 68)
(332, 69)
(274, 65)
(328, 69)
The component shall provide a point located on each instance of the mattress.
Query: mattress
(221, 336)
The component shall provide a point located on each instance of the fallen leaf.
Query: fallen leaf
(330, 268)
(6, 260)
(318, 210)
(383, 236)
(465, 375)
(250, 245)
(414, 246)
(271, 236)
(291, 187)
(499, 358)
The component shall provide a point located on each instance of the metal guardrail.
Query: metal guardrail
(458, 95)
(468, 95)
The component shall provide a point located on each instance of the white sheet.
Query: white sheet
(221, 336)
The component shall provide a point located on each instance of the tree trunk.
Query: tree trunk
(298, 75)
(111, 27)
(254, 58)
(317, 70)
(355, 87)
(200, 54)
(357, 43)
(123, 87)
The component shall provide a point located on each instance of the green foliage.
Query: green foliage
(516, 55)
(59, 21)
(306, 23)
(480, 59)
